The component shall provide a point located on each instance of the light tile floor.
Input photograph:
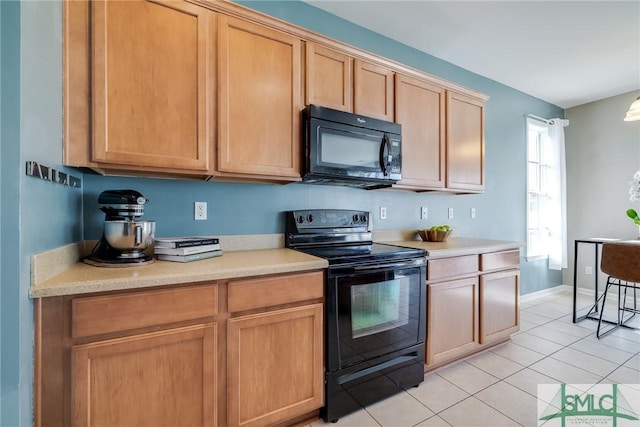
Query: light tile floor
(499, 387)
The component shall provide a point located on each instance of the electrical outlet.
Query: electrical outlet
(383, 212)
(473, 213)
(200, 211)
(450, 213)
(424, 212)
(588, 270)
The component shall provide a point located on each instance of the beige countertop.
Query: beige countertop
(457, 246)
(58, 272)
(81, 278)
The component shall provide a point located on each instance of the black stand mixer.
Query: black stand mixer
(124, 238)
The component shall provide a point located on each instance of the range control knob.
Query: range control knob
(300, 219)
(310, 218)
(355, 217)
(363, 218)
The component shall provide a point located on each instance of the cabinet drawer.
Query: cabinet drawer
(114, 313)
(500, 260)
(266, 292)
(452, 267)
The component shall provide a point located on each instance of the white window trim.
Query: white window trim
(530, 122)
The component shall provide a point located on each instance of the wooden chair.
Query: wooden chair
(621, 261)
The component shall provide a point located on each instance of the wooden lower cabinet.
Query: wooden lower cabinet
(452, 320)
(165, 378)
(238, 352)
(472, 304)
(499, 311)
(274, 365)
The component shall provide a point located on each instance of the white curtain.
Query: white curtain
(554, 153)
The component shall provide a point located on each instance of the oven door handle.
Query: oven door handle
(389, 266)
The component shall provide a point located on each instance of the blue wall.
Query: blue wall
(36, 215)
(256, 209)
(10, 291)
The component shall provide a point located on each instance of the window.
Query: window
(537, 232)
(546, 192)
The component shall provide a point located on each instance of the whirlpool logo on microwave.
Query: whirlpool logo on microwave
(561, 405)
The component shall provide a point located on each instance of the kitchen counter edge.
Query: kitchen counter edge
(458, 246)
(81, 278)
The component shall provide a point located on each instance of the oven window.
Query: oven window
(379, 307)
(344, 149)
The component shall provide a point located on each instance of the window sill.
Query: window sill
(536, 258)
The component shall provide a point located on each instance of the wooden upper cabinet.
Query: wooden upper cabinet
(465, 143)
(175, 88)
(329, 81)
(151, 65)
(259, 100)
(373, 90)
(420, 108)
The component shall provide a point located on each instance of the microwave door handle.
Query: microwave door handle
(385, 149)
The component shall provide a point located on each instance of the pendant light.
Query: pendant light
(634, 111)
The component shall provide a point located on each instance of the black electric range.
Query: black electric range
(375, 308)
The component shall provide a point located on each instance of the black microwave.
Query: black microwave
(342, 148)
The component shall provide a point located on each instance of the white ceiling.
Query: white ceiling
(567, 53)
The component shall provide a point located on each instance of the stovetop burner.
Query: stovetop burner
(348, 254)
(340, 236)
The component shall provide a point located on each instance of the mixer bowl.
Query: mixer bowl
(129, 235)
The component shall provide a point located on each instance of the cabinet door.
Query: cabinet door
(420, 108)
(499, 309)
(373, 90)
(329, 81)
(465, 143)
(452, 325)
(159, 379)
(259, 100)
(150, 84)
(274, 366)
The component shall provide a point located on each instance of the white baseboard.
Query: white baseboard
(567, 288)
(545, 292)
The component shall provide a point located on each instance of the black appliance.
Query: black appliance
(375, 308)
(348, 149)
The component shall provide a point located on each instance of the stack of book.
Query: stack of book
(186, 249)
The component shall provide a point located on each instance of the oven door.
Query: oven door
(373, 310)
